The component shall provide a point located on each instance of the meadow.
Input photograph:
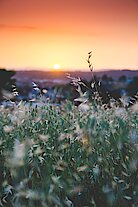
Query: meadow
(69, 155)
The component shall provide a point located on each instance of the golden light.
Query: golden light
(56, 66)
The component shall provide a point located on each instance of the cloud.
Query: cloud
(9, 26)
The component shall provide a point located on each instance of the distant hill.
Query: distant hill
(61, 76)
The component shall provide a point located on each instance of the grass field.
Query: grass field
(63, 156)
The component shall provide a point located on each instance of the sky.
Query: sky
(41, 33)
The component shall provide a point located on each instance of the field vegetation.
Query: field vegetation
(68, 155)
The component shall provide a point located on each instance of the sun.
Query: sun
(56, 66)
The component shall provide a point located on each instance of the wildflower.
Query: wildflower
(82, 168)
(43, 137)
(84, 107)
(8, 129)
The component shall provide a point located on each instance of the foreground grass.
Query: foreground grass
(68, 156)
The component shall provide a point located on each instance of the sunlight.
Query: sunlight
(56, 66)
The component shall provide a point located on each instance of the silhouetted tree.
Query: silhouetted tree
(110, 79)
(105, 78)
(122, 78)
(6, 80)
(133, 87)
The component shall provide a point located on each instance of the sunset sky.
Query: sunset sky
(44, 33)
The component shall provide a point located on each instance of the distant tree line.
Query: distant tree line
(6, 81)
(106, 86)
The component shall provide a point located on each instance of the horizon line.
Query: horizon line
(25, 69)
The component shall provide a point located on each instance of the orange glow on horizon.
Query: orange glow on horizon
(36, 34)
